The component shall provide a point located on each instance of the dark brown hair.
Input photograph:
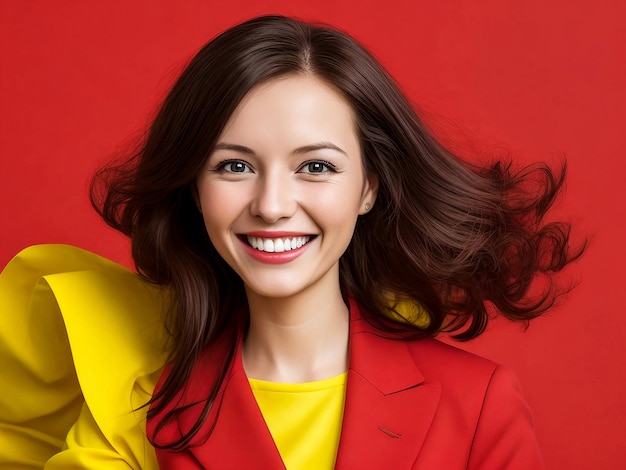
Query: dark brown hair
(455, 238)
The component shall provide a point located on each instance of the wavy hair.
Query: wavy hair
(455, 238)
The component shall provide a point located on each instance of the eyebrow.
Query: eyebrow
(298, 151)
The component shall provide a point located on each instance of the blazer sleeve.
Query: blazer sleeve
(505, 437)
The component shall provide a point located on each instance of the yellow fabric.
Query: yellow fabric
(304, 419)
(407, 311)
(81, 348)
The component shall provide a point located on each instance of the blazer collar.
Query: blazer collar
(388, 411)
(389, 405)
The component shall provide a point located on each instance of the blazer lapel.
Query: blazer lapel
(233, 435)
(240, 438)
(389, 405)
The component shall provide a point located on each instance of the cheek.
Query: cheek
(219, 208)
(341, 200)
(335, 210)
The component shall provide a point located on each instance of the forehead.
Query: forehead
(295, 108)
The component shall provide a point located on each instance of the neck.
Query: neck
(297, 339)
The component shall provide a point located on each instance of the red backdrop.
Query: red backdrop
(536, 79)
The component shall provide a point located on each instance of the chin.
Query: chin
(274, 292)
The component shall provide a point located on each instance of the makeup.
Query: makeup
(275, 247)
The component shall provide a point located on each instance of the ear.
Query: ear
(369, 193)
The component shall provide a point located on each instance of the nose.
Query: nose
(274, 199)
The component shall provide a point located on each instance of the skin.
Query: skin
(289, 160)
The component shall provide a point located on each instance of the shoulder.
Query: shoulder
(465, 377)
(476, 403)
(434, 360)
(494, 426)
(438, 359)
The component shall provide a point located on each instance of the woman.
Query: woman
(310, 237)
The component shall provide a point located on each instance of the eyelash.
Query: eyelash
(221, 166)
(331, 168)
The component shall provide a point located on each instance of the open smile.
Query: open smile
(275, 248)
(277, 245)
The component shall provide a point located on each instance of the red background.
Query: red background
(538, 80)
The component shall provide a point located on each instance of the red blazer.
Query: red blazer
(409, 405)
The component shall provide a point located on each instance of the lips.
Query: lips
(277, 245)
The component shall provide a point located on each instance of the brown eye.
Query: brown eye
(234, 166)
(317, 167)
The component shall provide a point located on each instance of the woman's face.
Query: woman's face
(281, 193)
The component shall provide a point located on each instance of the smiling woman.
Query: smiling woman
(307, 238)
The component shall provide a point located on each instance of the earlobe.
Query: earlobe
(365, 208)
(369, 194)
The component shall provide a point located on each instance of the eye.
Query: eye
(317, 167)
(234, 166)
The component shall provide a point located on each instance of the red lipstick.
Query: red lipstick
(275, 257)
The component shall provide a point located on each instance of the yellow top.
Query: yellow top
(304, 419)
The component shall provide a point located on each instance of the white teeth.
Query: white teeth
(277, 245)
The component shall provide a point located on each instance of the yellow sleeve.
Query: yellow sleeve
(81, 343)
